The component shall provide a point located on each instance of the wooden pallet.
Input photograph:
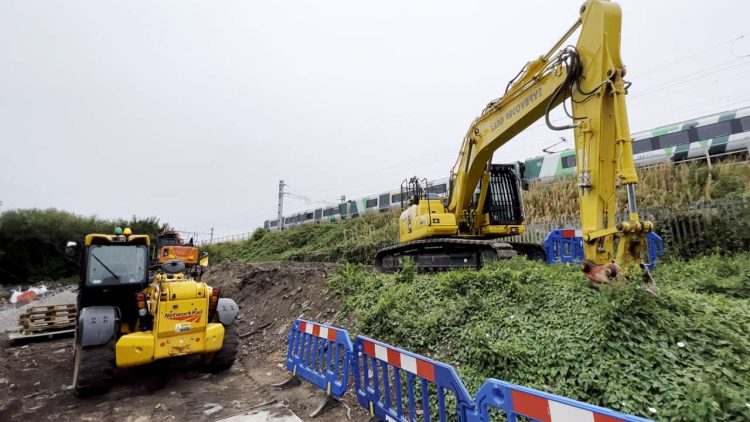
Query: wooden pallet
(65, 307)
(48, 318)
(48, 315)
(47, 325)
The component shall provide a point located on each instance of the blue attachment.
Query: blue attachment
(320, 354)
(393, 384)
(516, 401)
(566, 245)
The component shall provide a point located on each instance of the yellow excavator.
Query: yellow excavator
(484, 203)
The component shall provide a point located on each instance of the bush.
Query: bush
(685, 353)
(33, 241)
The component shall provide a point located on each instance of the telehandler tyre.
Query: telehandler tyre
(93, 369)
(224, 358)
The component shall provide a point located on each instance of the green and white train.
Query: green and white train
(717, 135)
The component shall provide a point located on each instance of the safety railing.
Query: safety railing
(393, 384)
(562, 246)
(566, 246)
(516, 401)
(321, 355)
(397, 385)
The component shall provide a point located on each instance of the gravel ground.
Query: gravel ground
(36, 377)
(9, 316)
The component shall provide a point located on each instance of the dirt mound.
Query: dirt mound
(272, 295)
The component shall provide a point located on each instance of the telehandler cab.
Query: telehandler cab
(126, 319)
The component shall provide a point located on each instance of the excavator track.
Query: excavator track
(443, 254)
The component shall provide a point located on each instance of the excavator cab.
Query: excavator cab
(169, 246)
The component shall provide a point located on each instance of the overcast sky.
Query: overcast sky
(193, 110)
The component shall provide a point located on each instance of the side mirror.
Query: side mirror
(71, 248)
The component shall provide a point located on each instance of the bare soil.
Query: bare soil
(36, 377)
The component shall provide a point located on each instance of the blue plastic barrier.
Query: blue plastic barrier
(396, 385)
(320, 354)
(655, 249)
(566, 245)
(537, 405)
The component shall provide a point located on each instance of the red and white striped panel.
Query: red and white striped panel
(568, 233)
(551, 411)
(318, 330)
(416, 366)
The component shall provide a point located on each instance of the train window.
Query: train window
(308, 216)
(328, 212)
(437, 189)
(384, 200)
(643, 145)
(274, 223)
(371, 203)
(715, 130)
(672, 139)
(569, 161)
(396, 198)
(318, 214)
(745, 123)
(288, 220)
(353, 211)
(342, 209)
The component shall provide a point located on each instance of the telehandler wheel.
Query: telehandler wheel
(93, 369)
(224, 358)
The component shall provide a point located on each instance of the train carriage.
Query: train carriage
(716, 135)
(713, 136)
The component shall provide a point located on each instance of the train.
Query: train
(716, 135)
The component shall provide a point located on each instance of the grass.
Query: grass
(685, 353)
(356, 240)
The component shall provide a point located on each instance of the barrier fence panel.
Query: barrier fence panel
(396, 385)
(566, 245)
(515, 401)
(320, 354)
(655, 249)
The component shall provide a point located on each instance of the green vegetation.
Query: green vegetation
(32, 242)
(673, 191)
(356, 240)
(685, 353)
